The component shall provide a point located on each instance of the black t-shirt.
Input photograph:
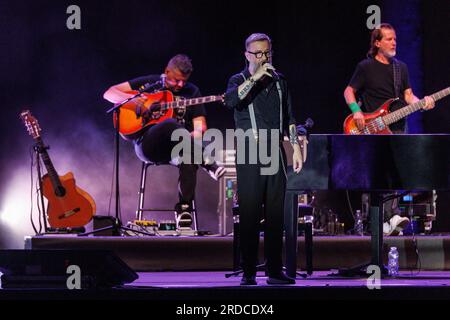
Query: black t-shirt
(373, 82)
(188, 91)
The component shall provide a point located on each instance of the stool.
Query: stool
(140, 210)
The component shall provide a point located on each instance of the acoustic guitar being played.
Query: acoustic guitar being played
(135, 115)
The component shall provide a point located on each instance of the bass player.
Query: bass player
(376, 79)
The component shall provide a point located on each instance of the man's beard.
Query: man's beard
(390, 53)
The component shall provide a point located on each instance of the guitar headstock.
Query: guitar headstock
(31, 124)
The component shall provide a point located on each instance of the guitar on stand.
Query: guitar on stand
(135, 116)
(68, 205)
(378, 121)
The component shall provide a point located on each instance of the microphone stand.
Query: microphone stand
(117, 226)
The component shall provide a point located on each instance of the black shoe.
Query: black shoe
(280, 278)
(248, 281)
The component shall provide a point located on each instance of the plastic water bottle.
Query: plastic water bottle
(393, 262)
(359, 227)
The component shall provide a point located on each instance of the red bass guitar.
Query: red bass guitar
(378, 121)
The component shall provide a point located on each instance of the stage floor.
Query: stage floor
(213, 287)
(318, 279)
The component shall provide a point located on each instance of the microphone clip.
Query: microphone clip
(151, 86)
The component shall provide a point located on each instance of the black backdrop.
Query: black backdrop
(61, 75)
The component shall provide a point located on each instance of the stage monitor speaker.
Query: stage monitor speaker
(50, 268)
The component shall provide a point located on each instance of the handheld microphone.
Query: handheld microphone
(273, 73)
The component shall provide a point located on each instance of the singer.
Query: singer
(260, 99)
(155, 143)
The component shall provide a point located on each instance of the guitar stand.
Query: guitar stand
(37, 150)
(66, 230)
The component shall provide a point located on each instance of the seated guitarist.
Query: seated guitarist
(154, 144)
(376, 79)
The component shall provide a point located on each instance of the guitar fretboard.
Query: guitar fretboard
(189, 102)
(51, 171)
(405, 111)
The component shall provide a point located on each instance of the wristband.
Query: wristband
(354, 107)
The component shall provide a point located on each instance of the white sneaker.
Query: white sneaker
(216, 172)
(395, 225)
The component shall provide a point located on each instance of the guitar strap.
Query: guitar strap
(251, 111)
(397, 83)
(397, 77)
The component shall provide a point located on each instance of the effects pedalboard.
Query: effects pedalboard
(163, 228)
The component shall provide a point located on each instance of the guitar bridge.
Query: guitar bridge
(69, 213)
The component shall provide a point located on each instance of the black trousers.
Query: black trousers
(261, 197)
(156, 146)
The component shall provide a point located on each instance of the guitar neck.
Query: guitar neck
(51, 171)
(190, 102)
(405, 111)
